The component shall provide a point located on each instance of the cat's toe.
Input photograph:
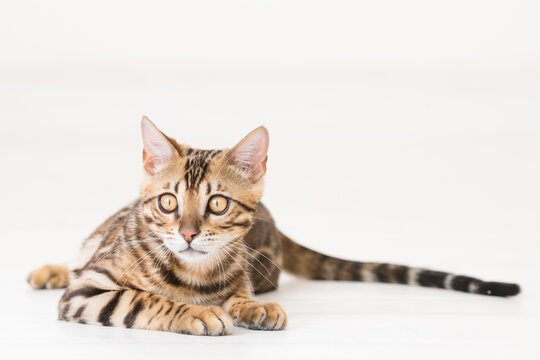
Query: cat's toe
(269, 316)
(276, 318)
(211, 321)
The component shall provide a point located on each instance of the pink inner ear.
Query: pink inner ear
(149, 161)
(157, 148)
(251, 153)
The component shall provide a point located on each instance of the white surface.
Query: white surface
(462, 203)
(402, 132)
(326, 320)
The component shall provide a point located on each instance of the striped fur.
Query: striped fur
(313, 265)
(137, 271)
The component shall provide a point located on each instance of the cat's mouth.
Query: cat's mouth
(192, 251)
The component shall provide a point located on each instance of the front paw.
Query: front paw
(205, 320)
(269, 316)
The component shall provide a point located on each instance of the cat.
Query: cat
(191, 252)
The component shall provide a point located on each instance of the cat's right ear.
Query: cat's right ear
(158, 151)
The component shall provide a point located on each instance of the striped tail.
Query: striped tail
(310, 264)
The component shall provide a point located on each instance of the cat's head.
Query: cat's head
(198, 202)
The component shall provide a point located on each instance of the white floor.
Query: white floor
(433, 168)
(326, 320)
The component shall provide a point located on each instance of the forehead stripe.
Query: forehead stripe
(196, 166)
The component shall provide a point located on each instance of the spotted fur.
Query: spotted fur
(134, 271)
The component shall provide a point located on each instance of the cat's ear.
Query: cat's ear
(250, 154)
(158, 151)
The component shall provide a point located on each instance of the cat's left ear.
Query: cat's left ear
(250, 154)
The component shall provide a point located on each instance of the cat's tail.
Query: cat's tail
(310, 264)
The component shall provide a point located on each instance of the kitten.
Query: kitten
(189, 254)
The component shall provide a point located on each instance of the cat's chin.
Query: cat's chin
(191, 255)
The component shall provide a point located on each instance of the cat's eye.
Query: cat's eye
(167, 203)
(218, 204)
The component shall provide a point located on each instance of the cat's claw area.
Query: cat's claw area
(212, 321)
(268, 316)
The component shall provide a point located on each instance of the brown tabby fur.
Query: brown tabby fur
(126, 275)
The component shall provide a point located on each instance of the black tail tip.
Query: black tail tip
(498, 289)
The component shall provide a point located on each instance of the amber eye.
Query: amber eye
(167, 203)
(218, 204)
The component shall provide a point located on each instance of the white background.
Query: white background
(401, 131)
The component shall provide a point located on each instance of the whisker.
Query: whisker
(136, 263)
(263, 255)
(247, 277)
(125, 244)
(220, 268)
(216, 264)
(212, 265)
(247, 252)
(161, 259)
(267, 279)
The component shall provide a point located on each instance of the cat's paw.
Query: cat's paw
(206, 320)
(269, 316)
(49, 277)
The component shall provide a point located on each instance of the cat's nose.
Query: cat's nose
(188, 233)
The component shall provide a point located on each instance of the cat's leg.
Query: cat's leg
(251, 314)
(140, 310)
(49, 277)
(57, 276)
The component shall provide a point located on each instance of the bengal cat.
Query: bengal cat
(191, 252)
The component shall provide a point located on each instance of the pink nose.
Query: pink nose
(188, 234)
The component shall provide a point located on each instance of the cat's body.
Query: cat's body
(188, 255)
